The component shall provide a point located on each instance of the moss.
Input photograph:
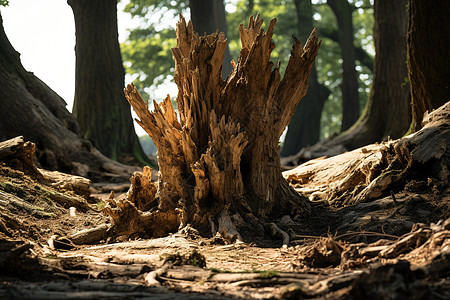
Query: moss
(100, 205)
(217, 271)
(14, 189)
(267, 274)
(194, 258)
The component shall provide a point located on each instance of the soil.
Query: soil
(38, 261)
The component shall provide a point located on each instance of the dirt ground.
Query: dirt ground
(395, 247)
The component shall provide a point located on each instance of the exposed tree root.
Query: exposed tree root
(370, 172)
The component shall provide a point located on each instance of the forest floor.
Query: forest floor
(389, 248)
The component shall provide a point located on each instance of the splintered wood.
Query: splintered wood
(219, 162)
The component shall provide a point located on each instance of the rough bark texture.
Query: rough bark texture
(219, 164)
(29, 108)
(387, 112)
(17, 154)
(428, 56)
(349, 87)
(207, 17)
(99, 105)
(375, 170)
(304, 128)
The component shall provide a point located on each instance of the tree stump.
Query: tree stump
(220, 161)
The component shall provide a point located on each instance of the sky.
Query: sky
(43, 32)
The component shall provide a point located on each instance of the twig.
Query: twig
(393, 198)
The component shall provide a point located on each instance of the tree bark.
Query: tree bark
(29, 108)
(304, 128)
(428, 56)
(387, 112)
(99, 105)
(349, 87)
(376, 170)
(208, 17)
(389, 88)
(220, 163)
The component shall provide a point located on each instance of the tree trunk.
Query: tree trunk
(389, 89)
(31, 109)
(220, 163)
(304, 128)
(208, 17)
(428, 56)
(100, 106)
(349, 86)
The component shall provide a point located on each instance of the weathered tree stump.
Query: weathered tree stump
(220, 161)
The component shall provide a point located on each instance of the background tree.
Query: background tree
(428, 56)
(29, 108)
(304, 128)
(148, 56)
(387, 112)
(350, 97)
(389, 88)
(99, 105)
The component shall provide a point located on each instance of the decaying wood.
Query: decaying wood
(370, 172)
(142, 192)
(11, 201)
(219, 162)
(13, 253)
(18, 154)
(91, 235)
(77, 184)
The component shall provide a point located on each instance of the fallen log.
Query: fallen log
(10, 201)
(18, 154)
(79, 185)
(372, 171)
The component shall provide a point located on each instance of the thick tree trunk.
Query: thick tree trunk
(349, 86)
(304, 128)
(387, 112)
(220, 163)
(100, 106)
(361, 55)
(389, 89)
(428, 56)
(208, 17)
(31, 109)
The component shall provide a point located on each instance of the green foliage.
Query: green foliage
(4, 2)
(267, 274)
(147, 52)
(194, 258)
(147, 55)
(285, 28)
